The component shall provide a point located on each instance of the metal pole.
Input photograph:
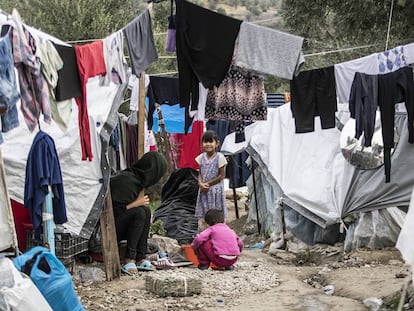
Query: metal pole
(236, 208)
(48, 222)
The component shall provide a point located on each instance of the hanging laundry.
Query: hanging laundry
(372, 64)
(237, 170)
(8, 87)
(140, 42)
(409, 53)
(391, 86)
(133, 84)
(171, 35)
(391, 60)
(313, 94)
(274, 100)
(90, 61)
(34, 94)
(43, 171)
(187, 147)
(363, 104)
(161, 90)
(200, 113)
(113, 50)
(204, 53)
(51, 63)
(239, 97)
(170, 45)
(280, 53)
(68, 85)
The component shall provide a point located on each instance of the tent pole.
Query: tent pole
(259, 226)
(282, 216)
(48, 223)
(110, 250)
(8, 205)
(236, 208)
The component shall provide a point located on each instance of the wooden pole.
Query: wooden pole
(259, 226)
(110, 251)
(8, 205)
(141, 116)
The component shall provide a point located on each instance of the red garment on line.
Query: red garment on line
(91, 63)
(189, 146)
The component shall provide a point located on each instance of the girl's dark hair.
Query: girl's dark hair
(209, 136)
(214, 216)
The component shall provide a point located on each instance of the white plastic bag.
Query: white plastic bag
(23, 294)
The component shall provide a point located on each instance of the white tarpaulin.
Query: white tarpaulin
(315, 178)
(302, 165)
(85, 182)
(82, 180)
(405, 242)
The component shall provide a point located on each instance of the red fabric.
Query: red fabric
(22, 222)
(91, 63)
(189, 146)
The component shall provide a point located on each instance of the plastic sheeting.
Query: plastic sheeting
(17, 292)
(177, 209)
(84, 181)
(7, 227)
(374, 229)
(314, 177)
(405, 241)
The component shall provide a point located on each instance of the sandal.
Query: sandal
(145, 265)
(164, 264)
(152, 257)
(129, 268)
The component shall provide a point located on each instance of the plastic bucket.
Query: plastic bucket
(189, 254)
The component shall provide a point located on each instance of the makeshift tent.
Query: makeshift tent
(405, 243)
(85, 182)
(308, 173)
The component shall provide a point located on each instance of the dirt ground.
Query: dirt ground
(322, 278)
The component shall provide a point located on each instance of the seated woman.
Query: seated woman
(131, 211)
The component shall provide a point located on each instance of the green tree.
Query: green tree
(334, 25)
(167, 62)
(76, 19)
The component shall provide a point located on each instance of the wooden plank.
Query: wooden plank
(112, 265)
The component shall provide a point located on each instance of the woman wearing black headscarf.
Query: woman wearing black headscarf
(131, 211)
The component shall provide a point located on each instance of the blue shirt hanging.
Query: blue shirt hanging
(42, 170)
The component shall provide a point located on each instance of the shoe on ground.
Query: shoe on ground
(164, 264)
(200, 267)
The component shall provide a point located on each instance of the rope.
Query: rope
(341, 50)
(389, 24)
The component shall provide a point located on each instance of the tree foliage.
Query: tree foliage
(72, 20)
(334, 25)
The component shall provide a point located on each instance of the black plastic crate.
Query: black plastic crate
(67, 246)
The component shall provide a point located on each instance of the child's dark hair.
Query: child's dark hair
(214, 216)
(209, 136)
